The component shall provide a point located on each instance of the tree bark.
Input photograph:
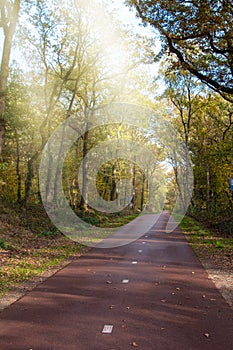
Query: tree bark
(18, 172)
(113, 185)
(29, 178)
(9, 16)
(84, 196)
(143, 191)
(207, 187)
(28, 181)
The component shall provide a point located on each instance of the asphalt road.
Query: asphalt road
(168, 302)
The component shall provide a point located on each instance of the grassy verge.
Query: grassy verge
(208, 246)
(22, 262)
(31, 245)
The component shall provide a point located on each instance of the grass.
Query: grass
(31, 245)
(107, 220)
(207, 244)
(21, 264)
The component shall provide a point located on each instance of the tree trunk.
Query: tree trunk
(84, 196)
(143, 191)
(58, 174)
(8, 24)
(29, 177)
(18, 171)
(207, 187)
(28, 181)
(2, 127)
(179, 187)
(133, 201)
(113, 185)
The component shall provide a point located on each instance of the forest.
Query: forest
(62, 65)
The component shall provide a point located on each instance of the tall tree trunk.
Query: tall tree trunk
(18, 172)
(58, 174)
(29, 177)
(9, 16)
(179, 187)
(28, 181)
(113, 185)
(207, 187)
(143, 191)
(2, 124)
(84, 197)
(133, 201)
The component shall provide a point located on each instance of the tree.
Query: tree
(199, 34)
(184, 92)
(9, 11)
(204, 121)
(61, 42)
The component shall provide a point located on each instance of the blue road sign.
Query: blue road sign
(231, 184)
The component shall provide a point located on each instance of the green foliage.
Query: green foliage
(66, 73)
(68, 70)
(202, 238)
(54, 233)
(204, 121)
(198, 34)
(225, 227)
(91, 220)
(4, 245)
(219, 244)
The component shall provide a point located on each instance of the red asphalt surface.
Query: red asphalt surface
(168, 304)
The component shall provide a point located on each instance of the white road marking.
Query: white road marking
(107, 329)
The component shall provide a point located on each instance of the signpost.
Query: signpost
(231, 184)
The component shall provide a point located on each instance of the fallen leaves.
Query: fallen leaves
(123, 324)
(134, 344)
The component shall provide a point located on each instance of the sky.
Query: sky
(128, 19)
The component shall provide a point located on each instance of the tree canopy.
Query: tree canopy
(66, 67)
(199, 34)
